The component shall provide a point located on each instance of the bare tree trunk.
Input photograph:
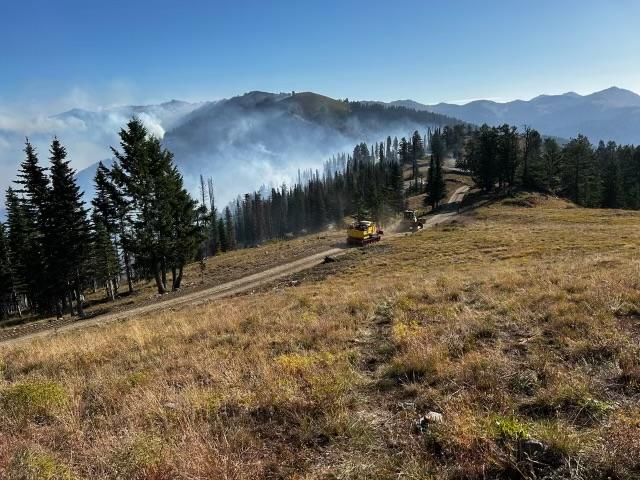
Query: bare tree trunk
(110, 289)
(127, 269)
(59, 311)
(17, 300)
(79, 295)
(70, 302)
(157, 273)
(163, 269)
(177, 279)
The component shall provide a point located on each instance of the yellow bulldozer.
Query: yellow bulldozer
(363, 233)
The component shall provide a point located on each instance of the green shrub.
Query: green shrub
(29, 465)
(508, 428)
(34, 399)
(574, 402)
(141, 457)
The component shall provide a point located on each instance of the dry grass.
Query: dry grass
(519, 324)
(218, 269)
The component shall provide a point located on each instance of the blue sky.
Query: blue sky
(60, 54)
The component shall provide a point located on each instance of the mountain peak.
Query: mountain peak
(616, 97)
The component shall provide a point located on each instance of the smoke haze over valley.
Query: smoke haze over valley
(257, 139)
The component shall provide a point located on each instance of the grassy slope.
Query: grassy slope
(219, 269)
(517, 323)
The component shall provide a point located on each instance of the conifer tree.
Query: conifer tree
(398, 201)
(532, 144)
(610, 174)
(222, 235)
(507, 156)
(185, 233)
(68, 229)
(213, 234)
(551, 158)
(34, 189)
(164, 232)
(20, 243)
(113, 207)
(417, 152)
(229, 229)
(436, 188)
(578, 178)
(8, 289)
(105, 265)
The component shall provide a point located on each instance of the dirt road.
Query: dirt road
(34, 330)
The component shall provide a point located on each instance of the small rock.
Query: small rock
(533, 447)
(535, 450)
(434, 417)
(431, 418)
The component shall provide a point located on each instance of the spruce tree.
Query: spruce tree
(34, 189)
(137, 173)
(111, 209)
(229, 229)
(222, 235)
(551, 159)
(436, 187)
(507, 156)
(9, 299)
(185, 232)
(20, 243)
(105, 265)
(532, 145)
(610, 174)
(398, 201)
(68, 231)
(417, 152)
(579, 181)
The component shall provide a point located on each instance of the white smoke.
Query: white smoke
(242, 153)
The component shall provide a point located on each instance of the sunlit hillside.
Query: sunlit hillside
(504, 345)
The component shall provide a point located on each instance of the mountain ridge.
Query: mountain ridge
(609, 114)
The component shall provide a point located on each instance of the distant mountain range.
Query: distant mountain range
(611, 114)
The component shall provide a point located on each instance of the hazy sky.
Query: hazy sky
(64, 53)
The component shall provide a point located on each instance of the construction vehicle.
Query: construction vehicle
(363, 233)
(410, 221)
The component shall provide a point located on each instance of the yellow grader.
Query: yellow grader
(363, 233)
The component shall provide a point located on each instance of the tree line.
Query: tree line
(502, 158)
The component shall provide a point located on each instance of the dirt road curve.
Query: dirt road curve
(30, 331)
